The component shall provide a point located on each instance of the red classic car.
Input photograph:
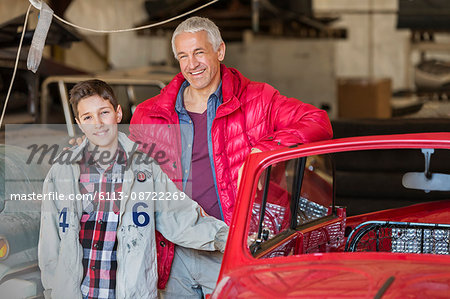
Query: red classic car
(361, 217)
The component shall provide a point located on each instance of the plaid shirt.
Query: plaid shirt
(99, 224)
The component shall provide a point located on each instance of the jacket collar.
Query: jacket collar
(233, 84)
(179, 104)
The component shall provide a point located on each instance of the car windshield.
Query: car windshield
(18, 178)
(293, 195)
(368, 181)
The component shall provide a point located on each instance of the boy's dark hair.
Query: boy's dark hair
(89, 88)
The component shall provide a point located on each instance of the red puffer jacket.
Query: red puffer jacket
(252, 115)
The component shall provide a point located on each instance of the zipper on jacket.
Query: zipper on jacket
(127, 184)
(215, 176)
(79, 267)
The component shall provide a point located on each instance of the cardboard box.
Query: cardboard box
(364, 98)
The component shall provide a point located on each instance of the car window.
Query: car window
(276, 210)
(316, 196)
(274, 183)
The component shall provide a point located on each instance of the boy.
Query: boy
(103, 246)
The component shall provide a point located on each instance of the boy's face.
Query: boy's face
(98, 120)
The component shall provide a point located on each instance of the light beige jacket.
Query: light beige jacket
(180, 221)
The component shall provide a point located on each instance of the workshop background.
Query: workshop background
(357, 59)
(376, 66)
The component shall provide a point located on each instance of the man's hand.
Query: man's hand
(254, 150)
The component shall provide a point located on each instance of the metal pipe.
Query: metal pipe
(255, 15)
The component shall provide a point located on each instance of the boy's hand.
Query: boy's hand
(75, 141)
(221, 239)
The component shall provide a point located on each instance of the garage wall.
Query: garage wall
(303, 69)
(375, 47)
(12, 8)
(125, 49)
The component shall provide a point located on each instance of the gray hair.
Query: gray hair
(196, 24)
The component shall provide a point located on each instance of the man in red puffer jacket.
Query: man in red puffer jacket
(218, 117)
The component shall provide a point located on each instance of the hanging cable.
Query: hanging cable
(15, 66)
(136, 28)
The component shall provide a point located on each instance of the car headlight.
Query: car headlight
(4, 248)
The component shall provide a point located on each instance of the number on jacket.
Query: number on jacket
(136, 214)
(63, 223)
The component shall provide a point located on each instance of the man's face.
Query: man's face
(199, 63)
(98, 120)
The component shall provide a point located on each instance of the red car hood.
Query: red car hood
(363, 275)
